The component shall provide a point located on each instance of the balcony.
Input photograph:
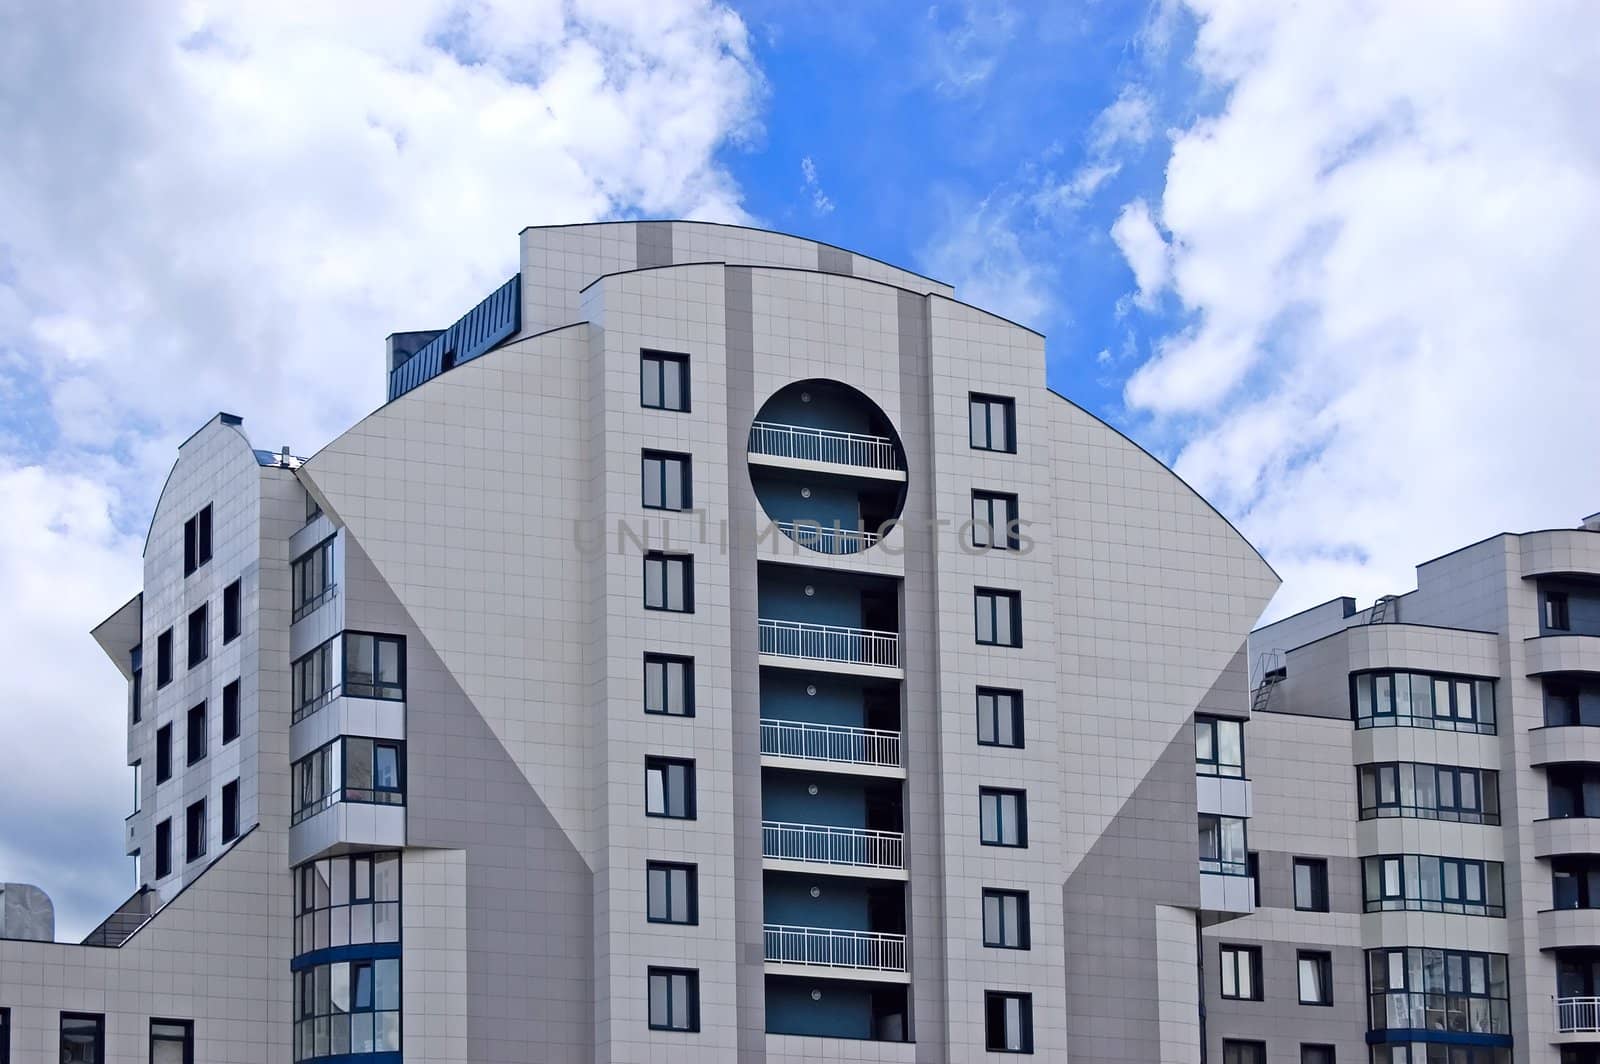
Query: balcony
(832, 746)
(865, 650)
(845, 851)
(1578, 1015)
(825, 450)
(1572, 928)
(865, 955)
(834, 541)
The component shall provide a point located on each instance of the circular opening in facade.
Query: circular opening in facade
(827, 466)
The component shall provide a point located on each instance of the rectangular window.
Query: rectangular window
(1311, 884)
(136, 695)
(1007, 1022)
(199, 637)
(164, 753)
(5, 1036)
(164, 658)
(671, 893)
(669, 685)
(669, 582)
(1316, 1054)
(138, 785)
(374, 666)
(1422, 700)
(1237, 1052)
(674, 999)
(994, 521)
(1428, 792)
(994, 423)
(1414, 988)
(669, 788)
(230, 811)
(1241, 973)
(196, 734)
(230, 712)
(197, 541)
(1219, 747)
(311, 680)
(232, 616)
(171, 1042)
(1425, 883)
(374, 771)
(1315, 972)
(1002, 817)
(1556, 616)
(194, 840)
(83, 1038)
(1224, 847)
(663, 381)
(999, 717)
(164, 849)
(311, 579)
(666, 484)
(1005, 919)
(999, 617)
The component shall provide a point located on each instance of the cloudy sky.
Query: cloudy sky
(1334, 262)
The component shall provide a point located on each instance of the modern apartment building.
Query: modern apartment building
(720, 646)
(1427, 839)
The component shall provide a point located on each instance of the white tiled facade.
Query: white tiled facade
(490, 519)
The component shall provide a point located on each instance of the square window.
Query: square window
(1224, 848)
(993, 423)
(164, 753)
(668, 582)
(671, 892)
(674, 999)
(83, 1038)
(230, 811)
(994, 521)
(1316, 1054)
(197, 541)
(1005, 919)
(663, 381)
(164, 658)
(1218, 747)
(230, 712)
(1241, 972)
(999, 617)
(374, 666)
(232, 618)
(164, 849)
(1236, 1052)
(1315, 972)
(1311, 884)
(171, 1042)
(999, 717)
(194, 844)
(669, 685)
(1007, 1022)
(1556, 616)
(669, 788)
(199, 637)
(1003, 817)
(196, 734)
(666, 483)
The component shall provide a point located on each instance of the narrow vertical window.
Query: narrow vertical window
(232, 616)
(230, 811)
(164, 753)
(135, 690)
(164, 658)
(1311, 884)
(230, 712)
(164, 849)
(195, 831)
(1556, 616)
(199, 636)
(196, 734)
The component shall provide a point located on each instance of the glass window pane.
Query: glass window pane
(672, 384)
(656, 891)
(387, 996)
(655, 790)
(658, 1000)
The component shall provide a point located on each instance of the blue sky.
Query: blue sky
(1340, 282)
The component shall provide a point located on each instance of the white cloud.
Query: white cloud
(963, 54)
(1142, 244)
(219, 206)
(820, 201)
(980, 250)
(1129, 119)
(1385, 254)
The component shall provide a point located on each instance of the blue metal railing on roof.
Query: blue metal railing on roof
(495, 319)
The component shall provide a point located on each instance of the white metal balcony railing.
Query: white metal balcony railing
(823, 445)
(829, 642)
(828, 539)
(830, 742)
(1576, 1015)
(817, 844)
(874, 950)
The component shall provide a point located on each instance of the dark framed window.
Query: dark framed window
(197, 541)
(994, 521)
(5, 1036)
(999, 617)
(1426, 883)
(199, 636)
(311, 579)
(374, 771)
(1311, 884)
(230, 712)
(669, 685)
(194, 827)
(136, 699)
(993, 423)
(1438, 990)
(1574, 791)
(999, 717)
(1002, 817)
(1557, 615)
(313, 508)
(232, 612)
(1235, 1051)
(230, 811)
(674, 999)
(1007, 1022)
(1390, 699)
(1572, 701)
(164, 849)
(666, 481)
(1005, 919)
(362, 1016)
(195, 734)
(1224, 845)
(171, 1041)
(1314, 972)
(1311, 1053)
(375, 666)
(83, 1038)
(1428, 792)
(164, 658)
(311, 680)
(669, 788)
(663, 381)
(1252, 865)
(1218, 747)
(164, 753)
(1240, 969)
(347, 900)
(1575, 882)
(672, 893)
(668, 582)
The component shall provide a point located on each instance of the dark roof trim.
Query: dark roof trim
(1349, 611)
(1347, 629)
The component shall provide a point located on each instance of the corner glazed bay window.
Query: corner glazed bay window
(1422, 700)
(348, 769)
(1438, 990)
(347, 901)
(347, 1007)
(373, 666)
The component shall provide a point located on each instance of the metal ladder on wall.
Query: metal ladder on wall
(1269, 670)
(1385, 609)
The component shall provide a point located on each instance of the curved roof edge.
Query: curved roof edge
(233, 421)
